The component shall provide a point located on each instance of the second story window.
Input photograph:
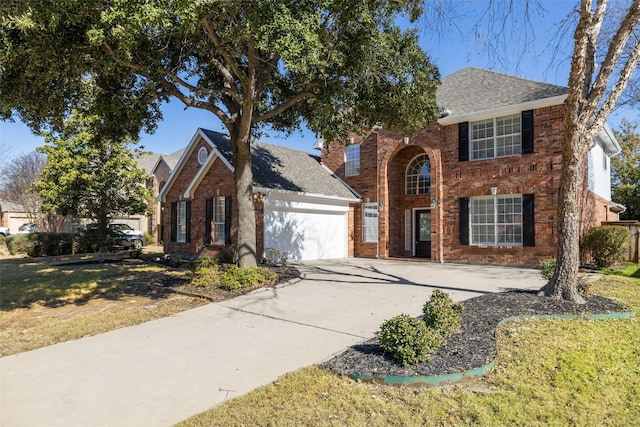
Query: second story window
(497, 137)
(352, 160)
(418, 177)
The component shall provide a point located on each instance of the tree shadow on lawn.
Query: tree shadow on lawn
(56, 282)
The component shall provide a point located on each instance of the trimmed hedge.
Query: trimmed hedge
(41, 244)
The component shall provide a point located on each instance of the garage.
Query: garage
(306, 227)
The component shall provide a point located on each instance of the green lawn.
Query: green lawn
(548, 372)
(45, 301)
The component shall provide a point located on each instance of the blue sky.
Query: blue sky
(451, 50)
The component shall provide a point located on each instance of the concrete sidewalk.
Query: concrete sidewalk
(161, 372)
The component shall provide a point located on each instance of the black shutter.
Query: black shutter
(188, 221)
(464, 220)
(208, 211)
(227, 220)
(463, 141)
(174, 221)
(528, 220)
(527, 132)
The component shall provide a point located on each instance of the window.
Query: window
(497, 137)
(352, 160)
(219, 220)
(369, 222)
(182, 221)
(496, 220)
(418, 176)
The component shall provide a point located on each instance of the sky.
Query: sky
(459, 46)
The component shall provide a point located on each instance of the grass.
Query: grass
(548, 372)
(43, 301)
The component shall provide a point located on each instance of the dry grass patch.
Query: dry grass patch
(50, 300)
(549, 372)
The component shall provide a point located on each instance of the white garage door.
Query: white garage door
(307, 230)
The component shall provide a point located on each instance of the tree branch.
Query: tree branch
(211, 33)
(283, 107)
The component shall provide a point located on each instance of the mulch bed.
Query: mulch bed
(475, 343)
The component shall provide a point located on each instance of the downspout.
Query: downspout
(378, 197)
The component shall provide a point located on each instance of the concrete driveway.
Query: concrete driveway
(161, 372)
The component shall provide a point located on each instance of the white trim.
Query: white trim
(162, 196)
(502, 111)
(609, 141)
(199, 176)
(268, 191)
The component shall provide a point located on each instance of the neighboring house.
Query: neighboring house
(12, 216)
(162, 168)
(479, 185)
(301, 207)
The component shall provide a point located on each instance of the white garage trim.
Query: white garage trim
(307, 228)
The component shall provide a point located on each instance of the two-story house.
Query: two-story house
(481, 184)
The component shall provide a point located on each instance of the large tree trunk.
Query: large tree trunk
(564, 283)
(244, 210)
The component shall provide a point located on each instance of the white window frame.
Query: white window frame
(413, 184)
(352, 160)
(496, 137)
(181, 229)
(219, 220)
(496, 220)
(369, 222)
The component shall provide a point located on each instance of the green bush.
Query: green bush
(236, 278)
(41, 244)
(441, 313)
(207, 272)
(148, 237)
(408, 340)
(20, 244)
(547, 268)
(607, 244)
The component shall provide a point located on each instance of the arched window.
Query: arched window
(418, 177)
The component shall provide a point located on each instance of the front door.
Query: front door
(423, 234)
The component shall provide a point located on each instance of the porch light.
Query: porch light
(434, 203)
(494, 191)
(381, 206)
(406, 140)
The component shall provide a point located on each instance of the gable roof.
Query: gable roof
(147, 162)
(274, 168)
(474, 93)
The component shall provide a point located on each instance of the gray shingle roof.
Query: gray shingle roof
(472, 90)
(172, 159)
(146, 162)
(282, 168)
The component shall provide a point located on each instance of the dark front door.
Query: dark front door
(423, 234)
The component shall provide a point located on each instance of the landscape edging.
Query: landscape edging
(446, 379)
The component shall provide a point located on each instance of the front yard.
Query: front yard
(48, 300)
(548, 372)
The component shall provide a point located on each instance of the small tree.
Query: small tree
(90, 175)
(18, 176)
(626, 170)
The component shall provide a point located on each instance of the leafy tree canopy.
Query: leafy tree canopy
(626, 170)
(89, 176)
(339, 65)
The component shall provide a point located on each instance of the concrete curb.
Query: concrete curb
(447, 379)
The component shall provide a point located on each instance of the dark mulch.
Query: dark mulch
(474, 345)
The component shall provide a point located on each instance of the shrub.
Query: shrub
(275, 257)
(148, 237)
(236, 278)
(41, 244)
(547, 268)
(207, 272)
(441, 313)
(408, 340)
(606, 244)
(20, 244)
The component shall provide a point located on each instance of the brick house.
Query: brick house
(480, 185)
(301, 207)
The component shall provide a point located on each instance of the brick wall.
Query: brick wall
(385, 157)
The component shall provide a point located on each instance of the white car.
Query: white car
(128, 230)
